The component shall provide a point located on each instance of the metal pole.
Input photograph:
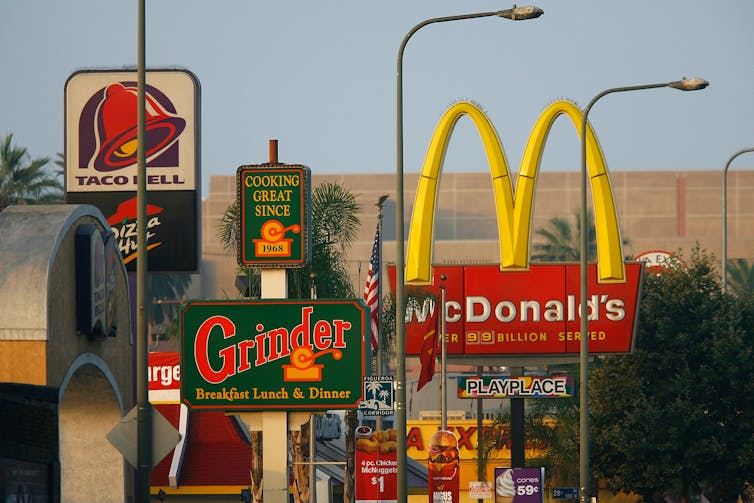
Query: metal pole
(312, 459)
(586, 133)
(143, 411)
(313, 423)
(379, 363)
(480, 470)
(518, 440)
(443, 359)
(725, 215)
(400, 258)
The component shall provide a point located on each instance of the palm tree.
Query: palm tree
(741, 277)
(334, 225)
(561, 243)
(24, 180)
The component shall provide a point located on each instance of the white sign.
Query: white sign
(480, 490)
(100, 131)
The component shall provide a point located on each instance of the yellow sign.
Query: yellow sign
(514, 214)
(419, 433)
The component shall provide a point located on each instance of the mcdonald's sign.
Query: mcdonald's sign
(525, 312)
(518, 308)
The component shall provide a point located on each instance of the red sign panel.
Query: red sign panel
(534, 312)
(376, 466)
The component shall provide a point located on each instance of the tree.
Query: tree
(166, 292)
(676, 417)
(556, 428)
(334, 225)
(24, 180)
(740, 277)
(561, 243)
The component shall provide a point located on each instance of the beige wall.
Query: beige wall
(658, 210)
(39, 345)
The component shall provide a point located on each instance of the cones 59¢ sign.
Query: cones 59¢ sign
(272, 355)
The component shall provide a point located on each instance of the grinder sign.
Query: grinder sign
(256, 355)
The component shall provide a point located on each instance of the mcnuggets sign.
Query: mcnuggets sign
(514, 214)
(284, 355)
(274, 215)
(534, 312)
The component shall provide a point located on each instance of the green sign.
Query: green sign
(272, 355)
(274, 215)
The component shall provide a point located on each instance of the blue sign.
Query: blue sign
(567, 493)
(379, 396)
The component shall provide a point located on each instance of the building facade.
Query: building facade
(658, 210)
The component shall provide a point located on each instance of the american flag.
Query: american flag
(372, 290)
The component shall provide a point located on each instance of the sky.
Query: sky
(321, 76)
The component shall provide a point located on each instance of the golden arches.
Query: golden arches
(514, 214)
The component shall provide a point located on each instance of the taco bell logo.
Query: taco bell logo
(101, 115)
(108, 129)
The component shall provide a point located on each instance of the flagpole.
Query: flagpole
(379, 363)
(380, 204)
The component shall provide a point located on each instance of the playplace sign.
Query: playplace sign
(272, 355)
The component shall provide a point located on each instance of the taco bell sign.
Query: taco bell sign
(101, 166)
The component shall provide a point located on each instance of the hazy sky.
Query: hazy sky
(320, 77)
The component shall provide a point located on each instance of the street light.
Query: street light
(515, 14)
(725, 215)
(143, 408)
(584, 475)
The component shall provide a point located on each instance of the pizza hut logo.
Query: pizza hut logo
(123, 224)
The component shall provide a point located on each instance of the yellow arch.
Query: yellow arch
(514, 214)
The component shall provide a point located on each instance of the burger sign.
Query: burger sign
(443, 466)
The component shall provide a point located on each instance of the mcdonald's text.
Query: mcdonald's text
(488, 311)
(479, 309)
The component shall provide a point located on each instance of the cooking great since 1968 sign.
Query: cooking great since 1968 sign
(272, 355)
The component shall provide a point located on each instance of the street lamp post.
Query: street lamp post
(584, 474)
(725, 215)
(143, 410)
(515, 14)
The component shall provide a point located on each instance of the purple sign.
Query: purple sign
(519, 485)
